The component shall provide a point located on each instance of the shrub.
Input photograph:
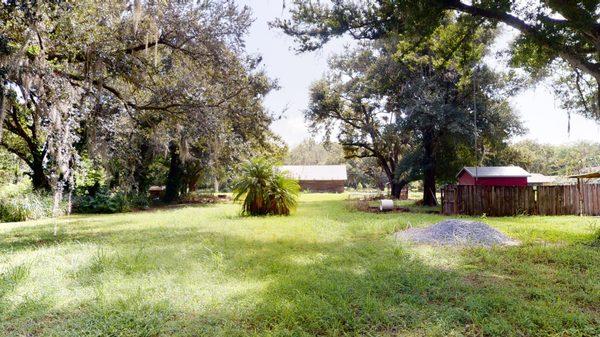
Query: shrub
(25, 206)
(265, 190)
(109, 202)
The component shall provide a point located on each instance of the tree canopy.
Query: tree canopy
(563, 160)
(412, 107)
(558, 39)
(124, 83)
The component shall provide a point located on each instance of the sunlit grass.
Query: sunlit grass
(325, 270)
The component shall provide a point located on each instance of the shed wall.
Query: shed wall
(333, 186)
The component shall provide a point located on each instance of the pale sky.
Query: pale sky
(295, 72)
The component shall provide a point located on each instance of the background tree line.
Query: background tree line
(551, 159)
(534, 157)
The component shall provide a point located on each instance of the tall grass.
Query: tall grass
(19, 203)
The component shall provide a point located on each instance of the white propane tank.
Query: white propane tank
(386, 205)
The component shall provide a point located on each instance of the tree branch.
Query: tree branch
(515, 22)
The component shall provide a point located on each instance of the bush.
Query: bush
(19, 203)
(265, 190)
(108, 202)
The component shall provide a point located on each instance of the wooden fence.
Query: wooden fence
(513, 200)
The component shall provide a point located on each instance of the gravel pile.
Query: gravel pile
(456, 232)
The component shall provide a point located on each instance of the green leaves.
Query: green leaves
(265, 190)
(549, 30)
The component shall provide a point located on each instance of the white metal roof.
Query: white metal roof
(495, 171)
(538, 178)
(316, 172)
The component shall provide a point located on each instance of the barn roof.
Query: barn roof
(316, 172)
(495, 171)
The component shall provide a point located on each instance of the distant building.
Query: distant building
(318, 178)
(493, 176)
(156, 192)
(538, 179)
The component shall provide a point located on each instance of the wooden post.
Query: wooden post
(580, 193)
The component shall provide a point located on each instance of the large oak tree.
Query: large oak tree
(413, 111)
(113, 75)
(556, 37)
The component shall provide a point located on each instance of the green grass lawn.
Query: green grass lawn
(325, 270)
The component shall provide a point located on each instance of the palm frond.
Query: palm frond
(264, 190)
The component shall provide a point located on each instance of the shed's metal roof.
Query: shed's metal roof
(495, 171)
(316, 172)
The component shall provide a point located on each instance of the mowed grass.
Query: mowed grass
(326, 270)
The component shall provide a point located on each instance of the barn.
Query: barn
(318, 178)
(493, 176)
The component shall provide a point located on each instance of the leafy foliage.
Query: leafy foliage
(311, 152)
(120, 83)
(29, 206)
(109, 202)
(265, 190)
(10, 167)
(549, 159)
(18, 202)
(558, 39)
(411, 107)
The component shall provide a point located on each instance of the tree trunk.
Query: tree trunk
(429, 198)
(381, 184)
(140, 174)
(397, 187)
(175, 177)
(429, 188)
(216, 183)
(1, 108)
(39, 180)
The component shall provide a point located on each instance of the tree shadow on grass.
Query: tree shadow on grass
(343, 287)
(42, 236)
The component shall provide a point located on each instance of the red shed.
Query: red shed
(493, 176)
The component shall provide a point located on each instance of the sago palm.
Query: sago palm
(265, 190)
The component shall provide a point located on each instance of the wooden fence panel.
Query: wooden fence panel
(509, 200)
(591, 199)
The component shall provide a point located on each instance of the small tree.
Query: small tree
(265, 190)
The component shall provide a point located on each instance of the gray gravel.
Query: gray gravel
(456, 232)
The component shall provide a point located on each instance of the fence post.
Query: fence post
(580, 192)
